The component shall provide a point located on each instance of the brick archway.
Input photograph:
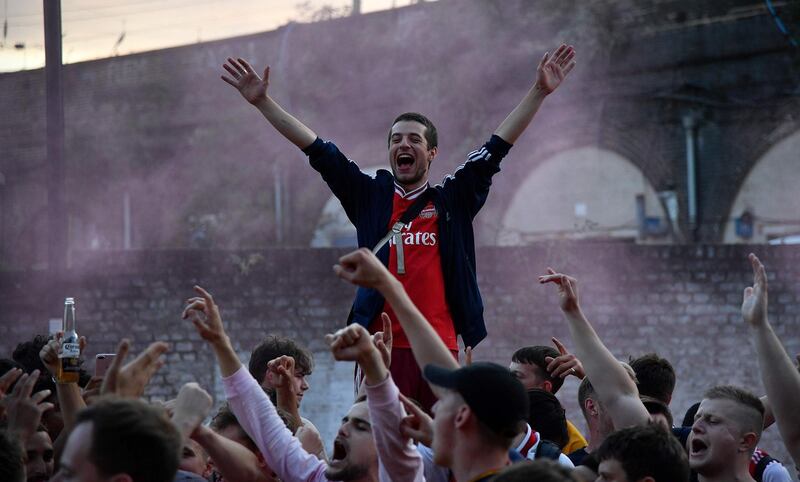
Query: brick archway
(770, 194)
(586, 192)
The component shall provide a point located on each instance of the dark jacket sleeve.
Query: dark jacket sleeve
(469, 185)
(351, 186)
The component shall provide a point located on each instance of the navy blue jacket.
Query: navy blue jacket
(367, 201)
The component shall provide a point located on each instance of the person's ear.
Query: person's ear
(548, 386)
(432, 152)
(462, 416)
(748, 442)
(591, 407)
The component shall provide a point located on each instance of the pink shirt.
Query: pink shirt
(398, 458)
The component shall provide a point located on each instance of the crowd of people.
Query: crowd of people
(418, 413)
(490, 422)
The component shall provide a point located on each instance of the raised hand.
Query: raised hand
(252, 87)
(50, 351)
(129, 381)
(190, 408)
(754, 303)
(24, 411)
(565, 364)
(417, 425)
(567, 289)
(6, 381)
(282, 369)
(205, 317)
(92, 390)
(362, 268)
(352, 343)
(383, 340)
(553, 69)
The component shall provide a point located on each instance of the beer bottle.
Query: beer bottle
(69, 358)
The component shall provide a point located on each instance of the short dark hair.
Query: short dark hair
(656, 376)
(538, 470)
(431, 136)
(12, 466)
(688, 418)
(535, 355)
(547, 417)
(655, 406)
(745, 399)
(131, 437)
(27, 354)
(271, 348)
(585, 391)
(224, 419)
(646, 451)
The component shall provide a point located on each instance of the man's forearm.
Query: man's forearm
(289, 127)
(608, 377)
(374, 369)
(229, 362)
(425, 342)
(233, 460)
(71, 402)
(518, 120)
(287, 401)
(782, 383)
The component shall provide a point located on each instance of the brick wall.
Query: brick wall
(680, 301)
(161, 125)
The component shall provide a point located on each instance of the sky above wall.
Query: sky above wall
(95, 29)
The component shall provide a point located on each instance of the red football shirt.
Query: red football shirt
(423, 279)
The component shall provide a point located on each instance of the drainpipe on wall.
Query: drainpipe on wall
(277, 170)
(126, 220)
(57, 227)
(279, 177)
(690, 121)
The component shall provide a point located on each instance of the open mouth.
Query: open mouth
(697, 447)
(339, 451)
(405, 160)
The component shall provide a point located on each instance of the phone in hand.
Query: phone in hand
(101, 363)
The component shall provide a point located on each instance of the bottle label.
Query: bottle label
(70, 350)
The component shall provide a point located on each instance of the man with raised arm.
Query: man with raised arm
(432, 253)
(368, 447)
(781, 379)
(608, 395)
(481, 407)
(614, 387)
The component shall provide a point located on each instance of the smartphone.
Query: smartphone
(101, 363)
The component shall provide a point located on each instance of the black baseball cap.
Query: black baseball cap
(496, 398)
